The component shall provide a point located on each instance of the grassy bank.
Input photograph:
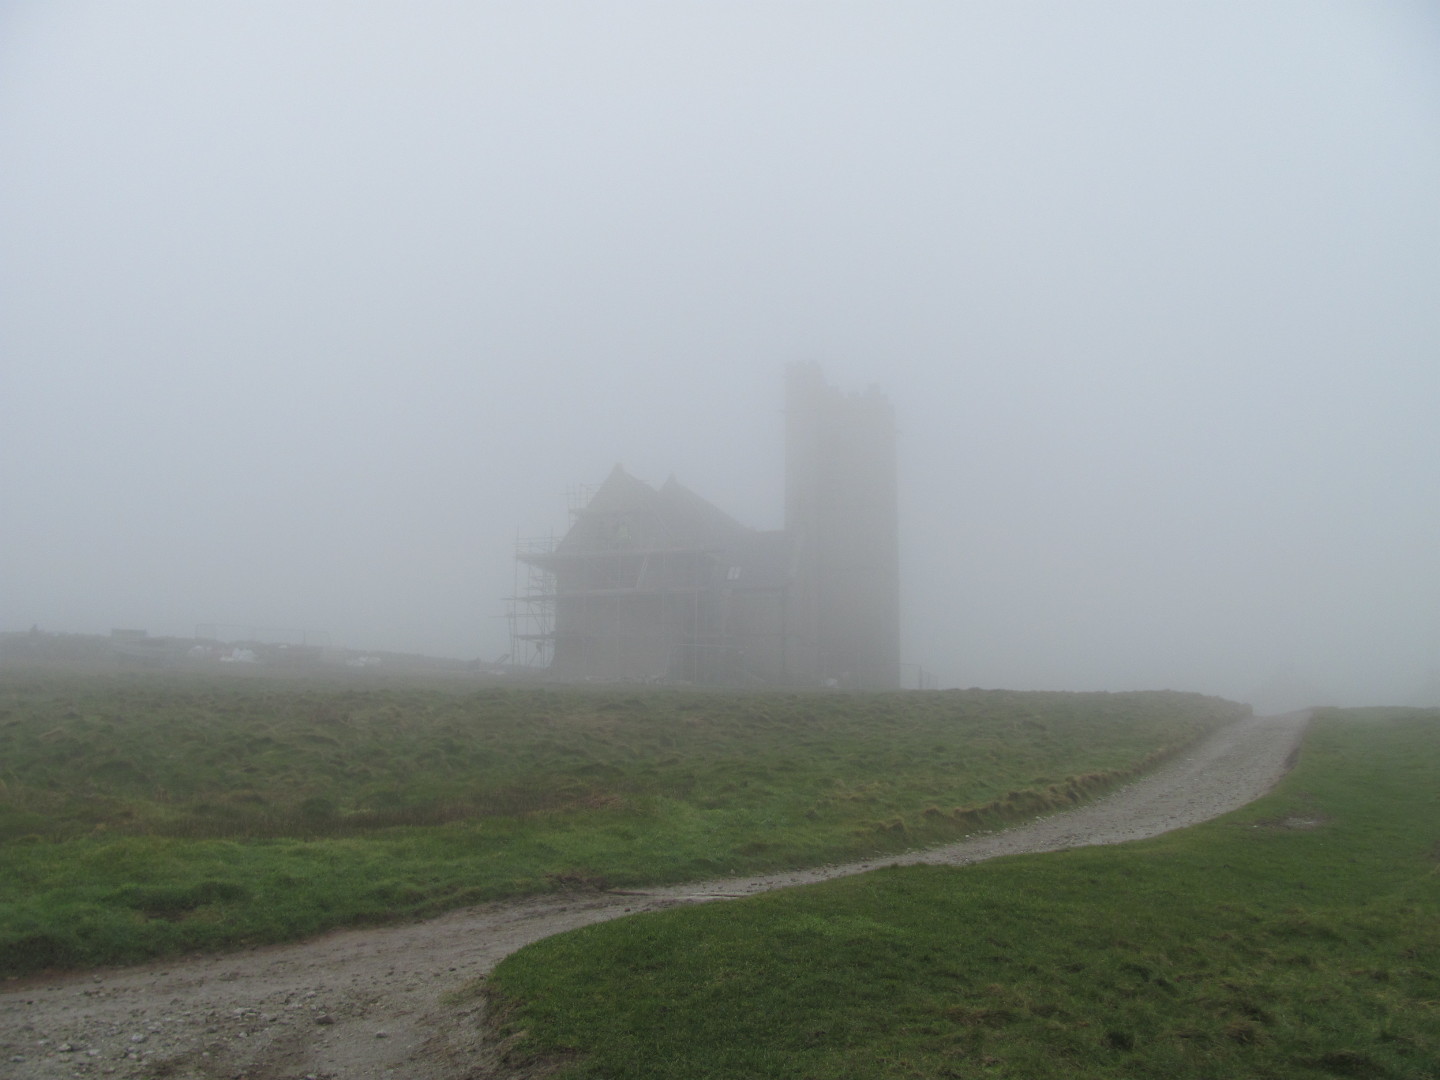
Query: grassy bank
(1299, 937)
(148, 815)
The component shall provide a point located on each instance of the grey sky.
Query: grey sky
(306, 309)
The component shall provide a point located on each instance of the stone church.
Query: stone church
(657, 584)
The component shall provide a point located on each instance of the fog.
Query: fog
(306, 311)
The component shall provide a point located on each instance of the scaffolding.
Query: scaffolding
(600, 612)
(530, 608)
(634, 596)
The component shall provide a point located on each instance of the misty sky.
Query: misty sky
(306, 309)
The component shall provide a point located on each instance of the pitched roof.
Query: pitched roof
(628, 514)
(694, 515)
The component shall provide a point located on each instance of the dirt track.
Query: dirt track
(372, 1004)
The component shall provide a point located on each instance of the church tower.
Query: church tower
(841, 513)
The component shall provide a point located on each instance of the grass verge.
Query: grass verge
(148, 815)
(1298, 937)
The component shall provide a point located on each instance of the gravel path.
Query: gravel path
(382, 1004)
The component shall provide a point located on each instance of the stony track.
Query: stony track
(389, 1003)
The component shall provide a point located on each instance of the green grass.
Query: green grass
(149, 814)
(1298, 937)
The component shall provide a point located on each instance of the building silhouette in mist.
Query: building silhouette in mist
(658, 584)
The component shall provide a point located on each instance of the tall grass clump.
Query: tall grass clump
(148, 814)
(1296, 938)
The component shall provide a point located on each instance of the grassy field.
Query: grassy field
(148, 814)
(1298, 937)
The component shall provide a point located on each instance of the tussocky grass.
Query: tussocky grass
(1296, 938)
(149, 814)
